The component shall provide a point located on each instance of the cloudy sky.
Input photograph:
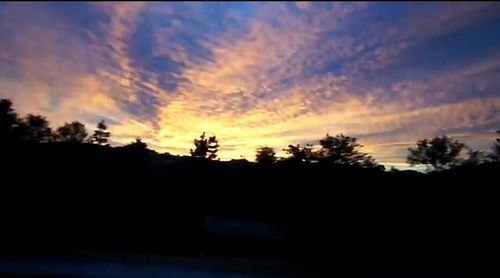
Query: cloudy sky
(258, 73)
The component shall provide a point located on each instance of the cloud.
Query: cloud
(258, 73)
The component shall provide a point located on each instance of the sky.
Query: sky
(258, 74)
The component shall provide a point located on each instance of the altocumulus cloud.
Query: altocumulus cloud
(258, 73)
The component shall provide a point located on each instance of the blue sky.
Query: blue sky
(258, 73)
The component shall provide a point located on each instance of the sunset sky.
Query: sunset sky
(258, 73)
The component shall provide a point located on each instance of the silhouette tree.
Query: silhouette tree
(495, 155)
(213, 147)
(36, 129)
(205, 148)
(137, 145)
(100, 135)
(136, 157)
(474, 157)
(9, 123)
(344, 150)
(71, 132)
(265, 155)
(298, 153)
(201, 147)
(437, 153)
(369, 162)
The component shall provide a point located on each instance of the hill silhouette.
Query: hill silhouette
(63, 195)
(68, 195)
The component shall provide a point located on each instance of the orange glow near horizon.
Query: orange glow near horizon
(258, 74)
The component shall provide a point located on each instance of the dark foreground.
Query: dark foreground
(64, 206)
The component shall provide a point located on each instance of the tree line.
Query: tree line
(438, 153)
(36, 129)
